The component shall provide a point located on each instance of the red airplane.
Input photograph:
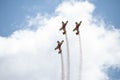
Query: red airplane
(59, 46)
(63, 27)
(77, 27)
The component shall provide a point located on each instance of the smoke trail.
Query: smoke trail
(80, 65)
(62, 67)
(68, 58)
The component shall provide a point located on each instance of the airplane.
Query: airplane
(77, 27)
(63, 27)
(59, 46)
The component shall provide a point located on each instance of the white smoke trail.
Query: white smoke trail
(62, 68)
(80, 65)
(68, 58)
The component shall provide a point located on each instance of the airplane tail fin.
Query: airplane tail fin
(80, 21)
(59, 52)
(66, 22)
(77, 32)
(64, 32)
(60, 29)
(62, 40)
(73, 30)
(55, 48)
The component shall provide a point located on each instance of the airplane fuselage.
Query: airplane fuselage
(59, 46)
(63, 27)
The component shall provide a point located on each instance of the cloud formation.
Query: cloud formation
(30, 55)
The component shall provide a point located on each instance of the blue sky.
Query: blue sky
(113, 73)
(14, 12)
(13, 16)
(109, 10)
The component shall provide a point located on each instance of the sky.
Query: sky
(13, 13)
(29, 30)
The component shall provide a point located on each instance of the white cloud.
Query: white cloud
(30, 55)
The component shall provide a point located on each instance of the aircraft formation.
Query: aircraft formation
(64, 32)
(60, 43)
